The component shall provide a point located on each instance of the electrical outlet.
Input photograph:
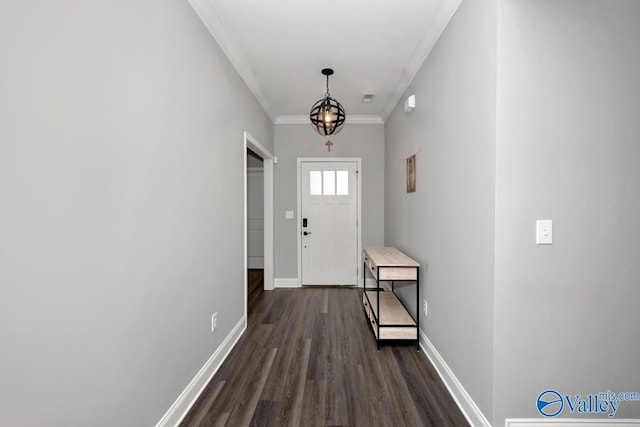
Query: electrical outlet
(214, 322)
(424, 306)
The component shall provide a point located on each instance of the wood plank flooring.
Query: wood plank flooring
(255, 287)
(309, 358)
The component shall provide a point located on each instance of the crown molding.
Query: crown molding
(207, 12)
(433, 33)
(365, 120)
(354, 119)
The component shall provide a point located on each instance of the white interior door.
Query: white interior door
(329, 222)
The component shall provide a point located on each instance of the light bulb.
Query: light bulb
(327, 115)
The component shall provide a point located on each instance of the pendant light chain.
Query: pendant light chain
(327, 115)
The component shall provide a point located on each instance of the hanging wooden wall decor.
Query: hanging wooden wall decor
(411, 174)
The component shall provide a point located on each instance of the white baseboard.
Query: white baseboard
(188, 397)
(472, 413)
(292, 282)
(371, 283)
(567, 422)
(286, 282)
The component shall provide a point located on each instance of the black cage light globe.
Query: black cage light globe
(327, 115)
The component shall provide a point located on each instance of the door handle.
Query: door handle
(306, 232)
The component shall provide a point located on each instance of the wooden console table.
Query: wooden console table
(389, 318)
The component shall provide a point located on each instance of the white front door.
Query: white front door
(329, 222)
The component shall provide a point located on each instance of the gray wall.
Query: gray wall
(300, 140)
(568, 150)
(555, 138)
(448, 224)
(120, 134)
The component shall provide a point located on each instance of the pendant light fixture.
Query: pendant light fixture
(327, 115)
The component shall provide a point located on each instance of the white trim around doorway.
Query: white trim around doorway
(268, 162)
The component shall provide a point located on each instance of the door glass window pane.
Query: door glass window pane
(315, 181)
(329, 183)
(342, 183)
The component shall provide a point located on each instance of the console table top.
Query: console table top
(387, 256)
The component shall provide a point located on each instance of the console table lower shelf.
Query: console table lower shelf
(393, 322)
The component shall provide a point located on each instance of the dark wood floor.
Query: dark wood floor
(255, 287)
(308, 358)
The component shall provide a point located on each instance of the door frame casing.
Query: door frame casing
(268, 160)
(358, 162)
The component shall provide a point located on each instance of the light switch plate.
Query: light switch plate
(288, 214)
(544, 232)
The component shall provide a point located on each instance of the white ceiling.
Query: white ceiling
(279, 48)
